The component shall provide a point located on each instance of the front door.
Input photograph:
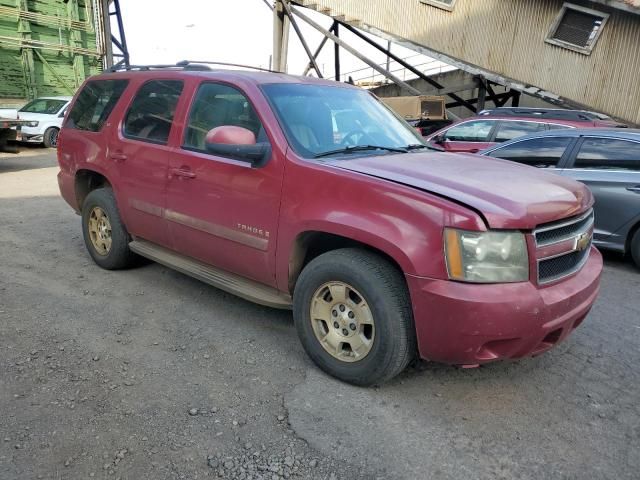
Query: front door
(221, 210)
(141, 154)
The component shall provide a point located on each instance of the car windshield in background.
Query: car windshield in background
(49, 106)
(321, 120)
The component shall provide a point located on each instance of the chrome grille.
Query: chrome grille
(560, 231)
(573, 237)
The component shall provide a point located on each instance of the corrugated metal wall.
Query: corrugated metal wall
(47, 47)
(507, 37)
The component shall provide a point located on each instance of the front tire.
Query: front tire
(104, 234)
(50, 137)
(353, 315)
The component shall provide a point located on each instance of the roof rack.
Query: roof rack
(548, 113)
(224, 64)
(146, 68)
(182, 65)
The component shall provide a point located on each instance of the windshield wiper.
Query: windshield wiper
(359, 148)
(420, 146)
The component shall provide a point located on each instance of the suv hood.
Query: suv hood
(506, 194)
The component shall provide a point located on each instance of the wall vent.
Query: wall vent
(577, 28)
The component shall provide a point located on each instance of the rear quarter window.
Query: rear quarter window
(94, 104)
(608, 154)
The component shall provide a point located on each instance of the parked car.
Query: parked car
(607, 161)
(384, 249)
(499, 125)
(45, 116)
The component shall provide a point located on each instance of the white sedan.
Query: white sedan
(45, 116)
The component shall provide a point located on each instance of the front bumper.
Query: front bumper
(470, 324)
(32, 134)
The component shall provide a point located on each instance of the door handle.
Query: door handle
(183, 173)
(635, 189)
(118, 156)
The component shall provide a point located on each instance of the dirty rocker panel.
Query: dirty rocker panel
(229, 282)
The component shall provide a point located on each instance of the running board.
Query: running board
(229, 282)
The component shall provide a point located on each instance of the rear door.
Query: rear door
(610, 167)
(471, 136)
(543, 152)
(140, 151)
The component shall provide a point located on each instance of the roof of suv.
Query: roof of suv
(256, 77)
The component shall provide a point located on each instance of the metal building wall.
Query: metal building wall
(507, 37)
(48, 47)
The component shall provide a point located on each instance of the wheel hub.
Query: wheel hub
(342, 321)
(100, 231)
(345, 322)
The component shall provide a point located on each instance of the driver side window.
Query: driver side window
(216, 105)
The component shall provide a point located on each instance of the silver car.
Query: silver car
(606, 160)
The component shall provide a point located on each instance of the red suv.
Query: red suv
(307, 194)
(499, 125)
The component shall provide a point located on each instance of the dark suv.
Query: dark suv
(499, 125)
(256, 183)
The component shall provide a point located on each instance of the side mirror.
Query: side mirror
(238, 143)
(438, 139)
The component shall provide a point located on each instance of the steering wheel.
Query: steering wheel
(357, 136)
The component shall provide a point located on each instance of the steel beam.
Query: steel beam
(482, 94)
(296, 28)
(280, 37)
(473, 101)
(28, 64)
(408, 66)
(355, 53)
(318, 50)
(120, 43)
(336, 52)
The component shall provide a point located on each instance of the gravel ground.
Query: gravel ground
(148, 374)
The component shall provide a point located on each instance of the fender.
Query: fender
(403, 222)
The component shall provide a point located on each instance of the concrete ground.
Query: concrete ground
(148, 374)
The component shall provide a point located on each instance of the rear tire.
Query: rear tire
(105, 236)
(635, 248)
(50, 137)
(367, 298)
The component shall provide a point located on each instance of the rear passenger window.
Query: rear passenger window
(608, 154)
(216, 105)
(537, 152)
(510, 130)
(151, 113)
(474, 131)
(94, 104)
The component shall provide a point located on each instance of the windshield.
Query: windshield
(49, 106)
(319, 119)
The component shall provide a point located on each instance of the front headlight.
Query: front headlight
(486, 257)
(32, 124)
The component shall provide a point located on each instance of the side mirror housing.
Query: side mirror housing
(438, 139)
(237, 143)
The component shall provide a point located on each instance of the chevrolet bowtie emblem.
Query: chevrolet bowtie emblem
(583, 242)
